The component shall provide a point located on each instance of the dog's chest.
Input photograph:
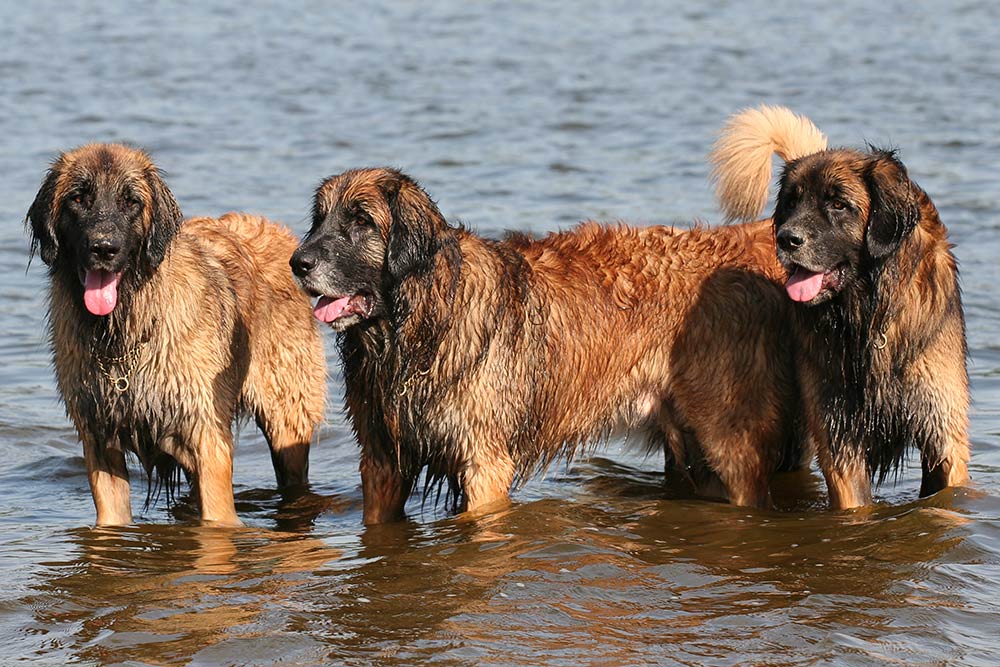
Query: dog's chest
(872, 410)
(117, 393)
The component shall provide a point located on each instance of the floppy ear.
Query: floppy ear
(164, 219)
(411, 240)
(41, 217)
(894, 209)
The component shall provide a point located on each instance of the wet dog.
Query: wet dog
(880, 325)
(163, 332)
(482, 361)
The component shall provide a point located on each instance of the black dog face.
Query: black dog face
(103, 213)
(838, 214)
(371, 229)
(341, 259)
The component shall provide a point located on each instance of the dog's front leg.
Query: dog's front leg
(949, 472)
(215, 479)
(109, 485)
(848, 480)
(384, 487)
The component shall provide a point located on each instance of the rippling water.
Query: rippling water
(513, 115)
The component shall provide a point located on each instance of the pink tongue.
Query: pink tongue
(328, 310)
(100, 291)
(804, 285)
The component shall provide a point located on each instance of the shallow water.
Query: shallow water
(512, 116)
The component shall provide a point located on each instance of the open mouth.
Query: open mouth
(805, 285)
(330, 309)
(100, 290)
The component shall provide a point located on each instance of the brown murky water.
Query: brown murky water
(512, 116)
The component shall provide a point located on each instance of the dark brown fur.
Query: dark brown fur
(482, 361)
(882, 346)
(208, 325)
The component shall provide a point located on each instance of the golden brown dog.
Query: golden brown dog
(482, 361)
(163, 332)
(880, 325)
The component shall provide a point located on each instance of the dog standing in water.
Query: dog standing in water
(163, 332)
(881, 332)
(482, 361)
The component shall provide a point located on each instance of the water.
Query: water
(512, 115)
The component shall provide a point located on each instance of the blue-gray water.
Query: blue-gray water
(513, 115)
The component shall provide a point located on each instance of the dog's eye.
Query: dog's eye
(132, 202)
(837, 204)
(82, 198)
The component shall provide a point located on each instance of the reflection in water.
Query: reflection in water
(622, 576)
(627, 586)
(164, 593)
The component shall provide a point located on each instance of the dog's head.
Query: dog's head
(103, 212)
(839, 214)
(371, 228)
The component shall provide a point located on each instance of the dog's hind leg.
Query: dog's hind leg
(848, 480)
(740, 461)
(486, 482)
(109, 484)
(739, 438)
(286, 391)
(289, 442)
(944, 456)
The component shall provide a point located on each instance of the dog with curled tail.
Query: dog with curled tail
(879, 323)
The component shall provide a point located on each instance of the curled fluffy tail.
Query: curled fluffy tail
(741, 157)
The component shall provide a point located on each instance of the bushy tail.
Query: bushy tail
(741, 157)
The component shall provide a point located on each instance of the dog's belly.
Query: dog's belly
(636, 416)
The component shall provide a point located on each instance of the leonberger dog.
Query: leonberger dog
(482, 361)
(880, 330)
(164, 332)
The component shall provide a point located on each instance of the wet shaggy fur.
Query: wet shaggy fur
(208, 325)
(482, 361)
(882, 344)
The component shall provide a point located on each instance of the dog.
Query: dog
(483, 361)
(162, 333)
(881, 332)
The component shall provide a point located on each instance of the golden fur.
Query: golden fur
(208, 325)
(482, 360)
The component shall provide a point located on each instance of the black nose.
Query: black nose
(788, 240)
(302, 263)
(104, 250)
